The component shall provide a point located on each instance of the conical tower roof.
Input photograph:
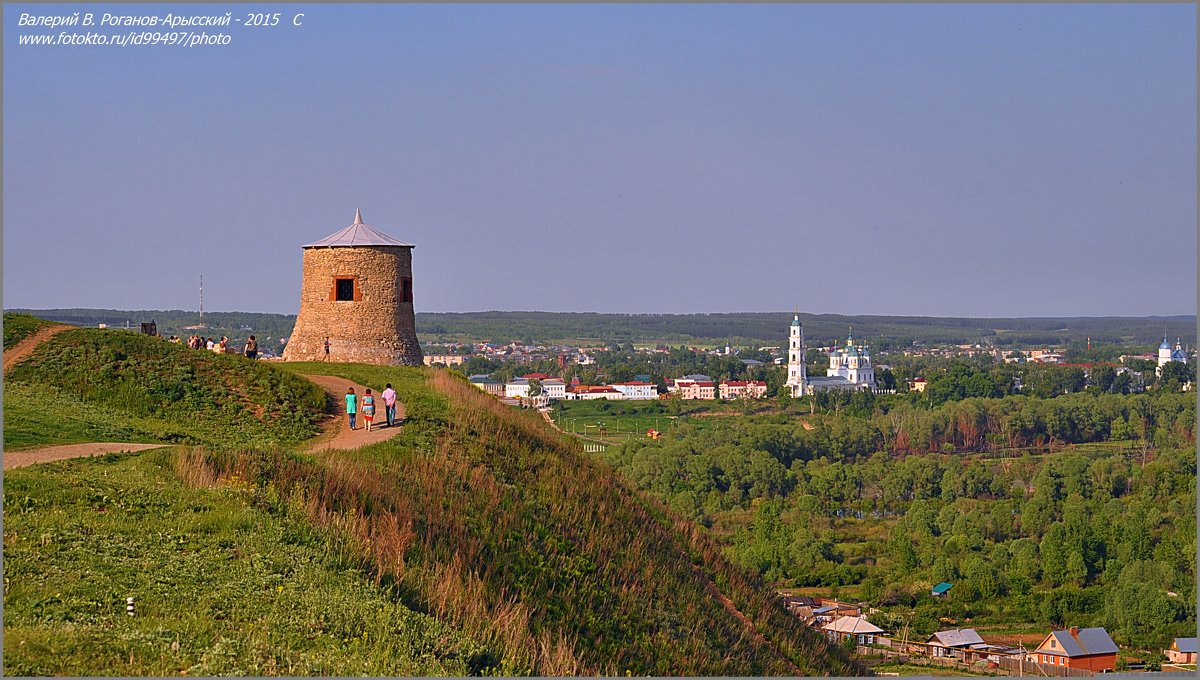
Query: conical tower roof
(357, 234)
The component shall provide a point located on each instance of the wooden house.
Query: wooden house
(953, 643)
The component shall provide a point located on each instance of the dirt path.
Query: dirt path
(46, 454)
(336, 434)
(23, 349)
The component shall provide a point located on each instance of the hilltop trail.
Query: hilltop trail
(335, 432)
(23, 349)
(46, 454)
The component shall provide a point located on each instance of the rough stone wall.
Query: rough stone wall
(377, 328)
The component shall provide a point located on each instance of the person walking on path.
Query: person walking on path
(252, 348)
(368, 409)
(389, 405)
(326, 348)
(351, 405)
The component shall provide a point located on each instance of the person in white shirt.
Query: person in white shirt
(389, 404)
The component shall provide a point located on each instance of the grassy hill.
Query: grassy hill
(17, 327)
(486, 542)
(98, 385)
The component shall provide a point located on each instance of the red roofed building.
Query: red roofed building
(584, 392)
(697, 390)
(537, 376)
(737, 389)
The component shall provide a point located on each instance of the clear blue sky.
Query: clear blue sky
(990, 160)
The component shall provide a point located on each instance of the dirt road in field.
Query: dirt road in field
(336, 434)
(46, 454)
(23, 349)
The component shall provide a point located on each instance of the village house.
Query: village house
(738, 389)
(917, 385)
(862, 631)
(1084, 648)
(953, 643)
(1183, 650)
(941, 589)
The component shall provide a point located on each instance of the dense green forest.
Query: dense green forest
(743, 328)
(1078, 510)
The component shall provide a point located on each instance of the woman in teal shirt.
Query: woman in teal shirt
(351, 405)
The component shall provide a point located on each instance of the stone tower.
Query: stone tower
(357, 291)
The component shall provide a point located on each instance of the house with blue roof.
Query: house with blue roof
(941, 589)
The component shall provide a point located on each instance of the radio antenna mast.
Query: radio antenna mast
(202, 300)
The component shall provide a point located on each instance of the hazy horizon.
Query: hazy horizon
(543, 311)
(980, 161)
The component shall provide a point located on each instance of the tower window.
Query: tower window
(343, 289)
(406, 294)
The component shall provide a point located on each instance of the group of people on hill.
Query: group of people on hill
(221, 346)
(366, 407)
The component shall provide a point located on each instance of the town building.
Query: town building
(696, 389)
(636, 389)
(445, 359)
(849, 367)
(518, 388)
(488, 384)
(738, 389)
(356, 292)
(554, 388)
(917, 385)
(1084, 648)
(586, 392)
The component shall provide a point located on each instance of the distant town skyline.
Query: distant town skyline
(936, 160)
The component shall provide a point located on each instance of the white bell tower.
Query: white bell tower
(797, 380)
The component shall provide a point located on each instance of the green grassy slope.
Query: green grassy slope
(89, 385)
(17, 327)
(236, 577)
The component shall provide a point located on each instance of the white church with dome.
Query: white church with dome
(849, 367)
(1167, 354)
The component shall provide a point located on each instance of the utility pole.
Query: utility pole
(202, 300)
